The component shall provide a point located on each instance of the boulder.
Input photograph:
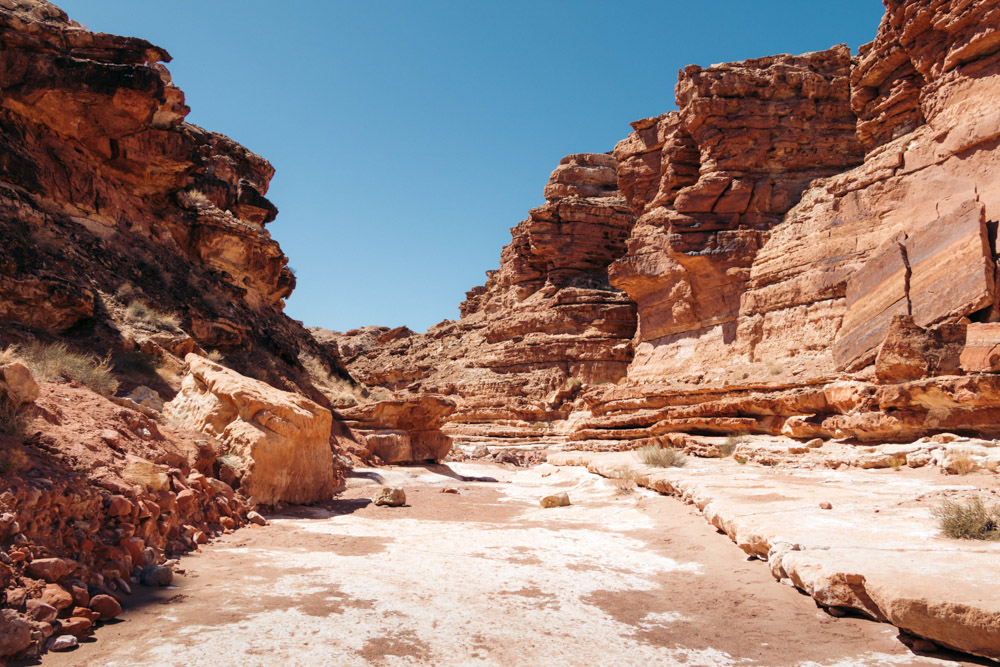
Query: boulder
(106, 607)
(555, 500)
(17, 384)
(15, 633)
(404, 430)
(50, 569)
(389, 496)
(282, 438)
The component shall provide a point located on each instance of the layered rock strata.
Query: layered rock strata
(545, 325)
(770, 318)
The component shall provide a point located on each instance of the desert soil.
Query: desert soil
(484, 577)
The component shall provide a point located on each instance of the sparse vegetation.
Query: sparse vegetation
(662, 457)
(13, 420)
(963, 464)
(140, 314)
(974, 520)
(51, 361)
(573, 384)
(992, 465)
(12, 459)
(216, 356)
(733, 441)
(125, 292)
(136, 364)
(895, 463)
(741, 460)
(339, 390)
(623, 477)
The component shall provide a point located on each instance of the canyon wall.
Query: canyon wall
(812, 253)
(108, 197)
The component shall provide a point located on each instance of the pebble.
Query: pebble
(825, 506)
(156, 576)
(106, 607)
(257, 519)
(449, 490)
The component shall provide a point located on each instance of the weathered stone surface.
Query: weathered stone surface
(105, 606)
(406, 430)
(555, 500)
(15, 633)
(869, 566)
(50, 569)
(390, 497)
(910, 352)
(17, 384)
(981, 352)
(282, 438)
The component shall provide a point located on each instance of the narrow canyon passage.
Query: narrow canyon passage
(483, 577)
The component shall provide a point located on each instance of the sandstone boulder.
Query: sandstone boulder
(17, 384)
(390, 497)
(283, 439)
(15, 633)
(555, 500)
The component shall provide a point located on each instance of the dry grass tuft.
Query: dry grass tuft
(54, 360)
(963, 464)
(623, 477)
(662, 457)
(13, 420)
(974, 520)
(733, 441)
(140, 314)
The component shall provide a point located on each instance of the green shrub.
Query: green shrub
(662, 457)
(969, 521)
(50, 361)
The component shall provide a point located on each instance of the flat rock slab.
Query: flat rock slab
(483, 577)
(878, 551)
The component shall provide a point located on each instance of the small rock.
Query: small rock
(256, 518)
(836, 611)
(480, 452)
(57, 596)
(50, 569)
(825, 506)
(815, 443)
(556, 500)
(63, 643)
(390, 497)
(17, 597)
(156, 575)
(40, 611)
(106, 607)
(449, 490)
(119, 506)
(75, 625)
(200, 537)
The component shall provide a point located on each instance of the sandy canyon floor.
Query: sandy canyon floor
(484, 577)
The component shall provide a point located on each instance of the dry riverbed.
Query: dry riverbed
(484, 577)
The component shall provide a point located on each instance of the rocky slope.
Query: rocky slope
(545, 325)
(134, 244)
(108, 198)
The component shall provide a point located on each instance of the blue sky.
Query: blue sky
(408, 137)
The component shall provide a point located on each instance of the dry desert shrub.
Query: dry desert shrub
(216, 356)
(992, 465)
(12, 460)
(340, 391)
(13, 420)
(51, 361)
(623, 477)
(733, 441)
(974, 520)
(662, 457)
(140, 314)
(963, 464)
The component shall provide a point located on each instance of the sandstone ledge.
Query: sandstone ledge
(877, 552)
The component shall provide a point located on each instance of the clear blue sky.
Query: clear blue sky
(408, 136)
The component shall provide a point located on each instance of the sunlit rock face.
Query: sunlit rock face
(791, 211)
(104, 186)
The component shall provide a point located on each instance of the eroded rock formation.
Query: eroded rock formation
(779, 332)
(107, 195)
(277, 442)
